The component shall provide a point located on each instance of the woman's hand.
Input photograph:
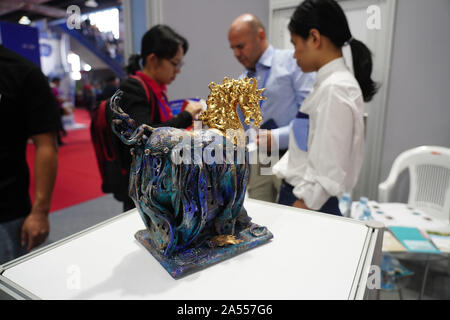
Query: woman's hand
(194, 108)
(300, 204)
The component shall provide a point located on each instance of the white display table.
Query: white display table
(312, 256)
(401, 214)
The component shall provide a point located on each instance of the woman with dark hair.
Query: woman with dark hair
(145, 94)
(324, 162)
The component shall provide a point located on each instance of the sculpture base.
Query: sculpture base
(195, 259)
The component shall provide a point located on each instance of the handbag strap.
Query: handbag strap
(147, 93)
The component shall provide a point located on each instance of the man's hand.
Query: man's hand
(36, 226)
(35, 230)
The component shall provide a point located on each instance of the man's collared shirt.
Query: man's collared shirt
(286, 88)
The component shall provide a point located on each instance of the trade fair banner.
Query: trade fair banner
(21, 39)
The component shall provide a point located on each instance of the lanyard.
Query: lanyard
(266, 76)
(163, 108)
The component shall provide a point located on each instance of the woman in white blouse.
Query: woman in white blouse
(325, 162)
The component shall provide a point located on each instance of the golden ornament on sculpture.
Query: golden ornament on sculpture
(223, 240)
(223, 101)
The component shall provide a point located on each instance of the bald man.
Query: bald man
(286, 88)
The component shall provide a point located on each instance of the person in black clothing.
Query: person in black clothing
(162, 52)
(110, 88)
(29, 111)
(54, 86)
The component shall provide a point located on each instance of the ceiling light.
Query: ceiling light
(76, 75)
(87, 67)
(91, 4)
(25, 20)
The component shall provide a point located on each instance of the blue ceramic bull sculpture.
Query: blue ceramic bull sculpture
(189, 188)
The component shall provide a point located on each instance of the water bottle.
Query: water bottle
(387, 272)
(363, 210)
(345, 204)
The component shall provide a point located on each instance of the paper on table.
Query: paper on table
(413, 240)
(442, 242)
(203, 103)
(391, 244)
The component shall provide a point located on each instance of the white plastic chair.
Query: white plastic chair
(429, 187)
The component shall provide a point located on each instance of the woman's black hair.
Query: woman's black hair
(161, 40)
(329, 19)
